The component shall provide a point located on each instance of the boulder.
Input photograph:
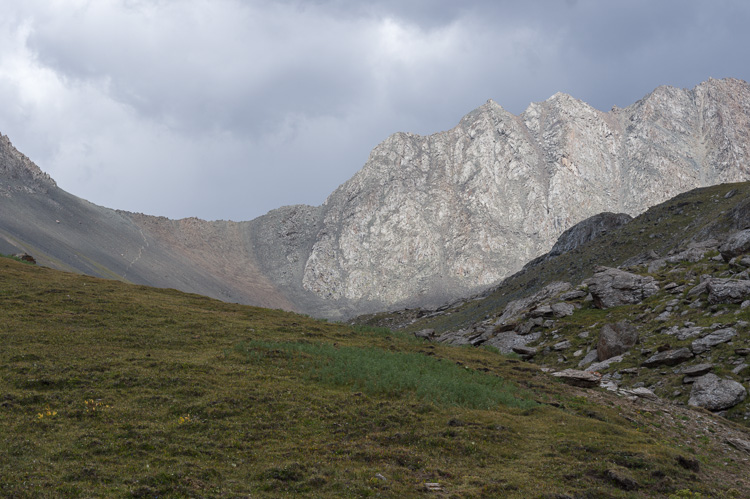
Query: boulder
(525, 352)
(573, 295)
(505, 342)
(697, 370)
(737, 244)
(588, 358)
(574, 377)
(716, 394)
(689, 332)
(642, 392)
(514, 310)
(611, 287)
(711, 340)
(727, 290)
(427, 334)
(601, 366)
(668, 358)
(739, 444)
(563, 345)
(541, 311)
(616, 339)
(562, 309)
(25, 257)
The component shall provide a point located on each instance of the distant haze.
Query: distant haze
(225, 109)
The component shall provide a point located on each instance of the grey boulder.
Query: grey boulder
(616, 339)
(711, 340)
(668, 358)
(611, 287)
(574, 377)
(727, 290)
(737, 244)
(716, 394)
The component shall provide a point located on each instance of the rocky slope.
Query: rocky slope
(427, 219)
(671, 323)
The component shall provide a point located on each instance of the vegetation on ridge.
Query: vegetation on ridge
(109, 389)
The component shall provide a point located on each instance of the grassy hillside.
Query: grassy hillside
(114, 390)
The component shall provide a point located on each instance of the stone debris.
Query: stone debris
(428, 334)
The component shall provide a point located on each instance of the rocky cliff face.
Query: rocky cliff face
(426, 220)
(431, 218)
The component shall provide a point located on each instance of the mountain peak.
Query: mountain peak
(18, 172)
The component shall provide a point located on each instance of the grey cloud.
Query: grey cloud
(231, 108)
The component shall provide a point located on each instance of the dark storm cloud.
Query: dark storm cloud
(229, 108)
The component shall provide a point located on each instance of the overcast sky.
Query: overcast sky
(226, 109)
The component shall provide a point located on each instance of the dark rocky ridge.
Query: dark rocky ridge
(426, 220)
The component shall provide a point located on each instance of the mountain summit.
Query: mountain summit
(427, 219)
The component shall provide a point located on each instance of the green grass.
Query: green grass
(114, 390)
(397, 374)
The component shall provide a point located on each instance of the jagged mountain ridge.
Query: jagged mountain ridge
(427, 219)
(461, 209)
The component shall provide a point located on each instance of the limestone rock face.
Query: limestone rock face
(436, 217)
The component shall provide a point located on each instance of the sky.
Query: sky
(226, 109)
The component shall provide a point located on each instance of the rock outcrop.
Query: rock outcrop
(588, 230)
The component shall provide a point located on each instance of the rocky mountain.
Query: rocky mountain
(426, 220)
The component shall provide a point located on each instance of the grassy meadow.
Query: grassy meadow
(115, 390)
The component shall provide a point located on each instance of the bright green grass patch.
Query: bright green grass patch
(380, 372)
